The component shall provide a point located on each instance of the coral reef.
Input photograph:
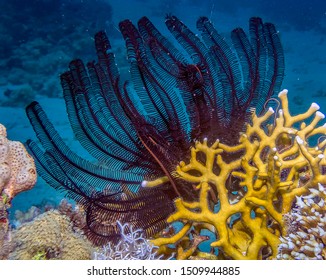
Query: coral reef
(187, 141)
(186, 150)
(245, 190)
(49, 236)
(17, 174)
(22, 217)
(139, 130)
(75, 213)
(306, 228)
(131, 246)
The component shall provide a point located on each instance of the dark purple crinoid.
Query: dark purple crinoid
(141, 129)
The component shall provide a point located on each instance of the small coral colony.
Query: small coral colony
(197, 156)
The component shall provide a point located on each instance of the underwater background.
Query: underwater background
(40, 37)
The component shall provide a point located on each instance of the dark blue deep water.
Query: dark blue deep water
(39, 38)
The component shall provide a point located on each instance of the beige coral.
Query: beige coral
(306, 228)
(50, 236)
(4, 231)
(17, 168)
(17, 174)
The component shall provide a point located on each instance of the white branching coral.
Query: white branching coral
(132, 246)
(306, 227)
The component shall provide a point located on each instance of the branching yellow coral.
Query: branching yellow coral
(245, 190)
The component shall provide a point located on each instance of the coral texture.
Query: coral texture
(245, 190)
(17, 168)
(306, 228)
(49, 236)
(4, 231)
(17, 174)
(139, 130)
(132, 246)
(75, 214)
(22, 217)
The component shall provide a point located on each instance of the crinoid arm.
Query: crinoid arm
(138, 131)
(253, 192)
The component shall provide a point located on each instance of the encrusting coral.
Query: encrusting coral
(17, 174)
(49, 236)
(245, 190)
(17, 168)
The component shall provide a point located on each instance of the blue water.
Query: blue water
(40, 37)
